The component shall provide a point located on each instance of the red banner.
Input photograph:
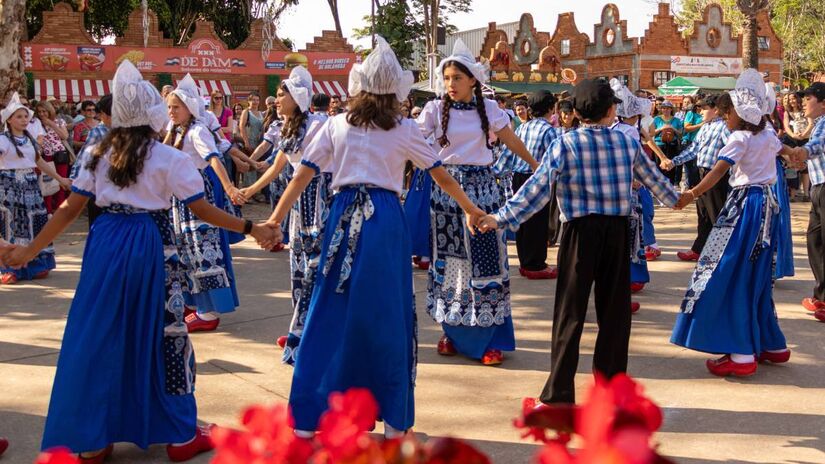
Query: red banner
(202, 56)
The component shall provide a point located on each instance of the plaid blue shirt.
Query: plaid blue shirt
(594, 168)
(706, 146)
(537, 135)
(816, 152)
(96, 135)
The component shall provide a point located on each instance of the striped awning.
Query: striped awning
(71, 90)
(329, 88)
(207, 86)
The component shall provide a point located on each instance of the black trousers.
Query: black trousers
(816, 239)
(532, 235)
(93, 210)
(670, 150)
(555, 217)
(708, 207)
(594, 252)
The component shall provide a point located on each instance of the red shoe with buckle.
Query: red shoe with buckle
(544, 274)
(688, 255)
(812, 304)
(4, 445)
(776, 358)
(196, 324)
(282, 341)
(200, 444)
(635, 307)
(97, 458)
(652, 254)
(277, 248)
(820, 314)
(492, 358)
(187, 310)
(724, 367)
(446, 347)
(636, 287)
(8, 278)
(423, 265)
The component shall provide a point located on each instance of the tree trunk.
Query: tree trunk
(750, 43)
(333, 6)
(12, 28)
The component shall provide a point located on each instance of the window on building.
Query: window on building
(661, 77)
(764, 42)
(624, 78)
(565, 47)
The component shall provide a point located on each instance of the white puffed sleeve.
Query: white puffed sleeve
(418, 150)
(203, 141)
(84, 183)
(318, 154)
(736, 147)
(6, 147)
(273, 134)
(428, 120)
(498, 117)
(183, 178)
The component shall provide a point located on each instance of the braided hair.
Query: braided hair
(37, 152)
(482, 110)
(170, 136)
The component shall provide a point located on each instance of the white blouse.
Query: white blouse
(167, 172)
(214, 125)
(753, 157)
(356, 155)
(467, 144)
(199, 144)
(313, 123)
(8, 155)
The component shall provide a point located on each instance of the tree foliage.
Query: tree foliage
(177, 18)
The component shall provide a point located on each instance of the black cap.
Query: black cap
(540, 102)
(592, 98)
(817, 90)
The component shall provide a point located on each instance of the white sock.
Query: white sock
(425, 259)
(210, 316)
(778, 351)
(186, 442)
(654, 245)
(742, 358)
(391, 433)
(308, 434)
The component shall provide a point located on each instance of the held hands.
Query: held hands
(472, 219)
(236, 196)
(667, 165)
(487, 223)
(261, 166)
(65, 183)
(267, 234)
(14, 256)
(247, 193)
(685, 199)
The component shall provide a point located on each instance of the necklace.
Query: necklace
(20, 140)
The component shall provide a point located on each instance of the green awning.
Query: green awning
(692, 85)
(527, 87)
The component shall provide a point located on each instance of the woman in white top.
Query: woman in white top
(126, 366)
(22, 210)
(728, 308)
(308, 216)
(469, 278)
(204, 249)
(361, 326)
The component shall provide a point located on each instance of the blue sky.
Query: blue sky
(305, 21)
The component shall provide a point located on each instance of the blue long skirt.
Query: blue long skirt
(22, 215)
(361, 328)
(469, 278)
(649, 232)
(222, 200)
(729, 307)
(119, 378)
(276, 190)
(204, 250)
(784, 243)
(638, 226)
(417, 210)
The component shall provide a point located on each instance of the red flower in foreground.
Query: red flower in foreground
(57, 456)
(453, 451)
(268, 438)
(343, 428)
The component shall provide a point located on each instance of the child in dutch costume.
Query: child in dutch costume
(22, 210)
(361, 326)
(309, 214)
(126, 370)
(469, 278)
(628, 113)
(728, 308)
(204, 248)
(594, 168)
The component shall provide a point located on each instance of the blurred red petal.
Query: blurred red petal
(554, 453)
(57, 456)
(453, 451)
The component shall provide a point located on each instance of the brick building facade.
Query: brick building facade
(648, 61)
(65, 26)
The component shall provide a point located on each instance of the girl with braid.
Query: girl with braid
(309, 214)
(469, 279)
(22, 210)
(204, 248)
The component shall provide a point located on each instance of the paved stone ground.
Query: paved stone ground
(776, 416)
